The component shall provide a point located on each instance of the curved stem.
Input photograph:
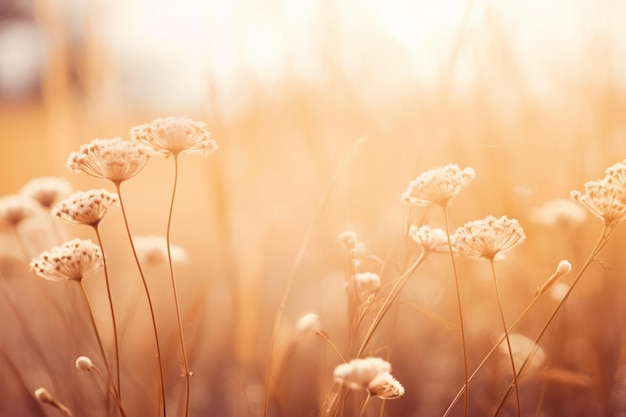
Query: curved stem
(602, 241)
(145, 286)
(100, 345)
(325, 337)
(21, 244)
(457, 286)
(181, 336)
(391, 297)
(115, 395)
(108, 287)
(362, 413)
(506, 335)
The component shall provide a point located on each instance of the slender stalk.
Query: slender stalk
(100, 345)
(108, 287)
(147, 291)
(181, 336)
(115, 395)
(506, 335)
(21, 244)
(602, 241)
(459, 301)
(391, 297)
(362, 413)
(325, 337)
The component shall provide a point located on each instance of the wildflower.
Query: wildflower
(562, 269)
(367, 285)
(71, 261)
(489, 238)
(173, 135)
(438, 186)
(559, 211)
(113, 159)
(16, 208)
(44, 397)
(616, 174)
(521, 348)
(84, 363)
(152, 249)
(359, 373)
(46, 190)
(604, 198)
(86, 207)
(308, 323)
(386, 387)
(431, 240)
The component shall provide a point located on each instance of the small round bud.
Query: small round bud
(564, 268)
(44, 396)
(84, 363)
(308, 323)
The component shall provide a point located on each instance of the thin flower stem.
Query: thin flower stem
(145, 286)
(506, 335)
(362, 413)
(602, 241)
(100, 345)
(115, 395)
(181, 336)
(21, 244)
(108, 287)
(391, 297)
(459, 301)
(325, 337)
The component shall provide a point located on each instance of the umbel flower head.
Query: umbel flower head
(430, 239)
(605, 198)
(367, 285)
(16, 208)
(562, 212)
(114, 159)
(173, 135)
(86, 207)
(152, 249)
(489, 238)
(71, 261)
(438, 186)
(46, 190)
(371, 374)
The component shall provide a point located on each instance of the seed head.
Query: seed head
(385, 386)
(16, 208)
(44, 396)
(489, 238)
(605, 198)
(438, 186)
(46, 190)
(307, 324)
(114, 159)
(173, 135)
(359, 373)
(430, 239)
(70, 261)
(367, 285)
(84, 363)
(86, 207)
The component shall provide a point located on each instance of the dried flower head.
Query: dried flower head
(562, 269)
(521, 348)
(46, 190)
(308, 323)
(616, 174)
(367, 285)
(44, 396)
(152, 249)
(114, 159)
(73, 260)
(16, 208)
(173, 135)
(560, 212)
(438, 186)
(605, 199)
(86, 207)
(385, 386)
(359, 373)
(489, 238)
(84, 363)
(430, 239)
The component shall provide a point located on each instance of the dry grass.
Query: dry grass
(287, 163)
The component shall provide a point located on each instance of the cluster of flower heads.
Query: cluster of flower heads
(173, 135)
(429, 239)
(371, 374)
(71, 261)
(606, 198)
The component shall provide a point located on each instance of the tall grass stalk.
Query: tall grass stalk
(149, 299)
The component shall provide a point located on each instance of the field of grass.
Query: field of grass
(299, 161)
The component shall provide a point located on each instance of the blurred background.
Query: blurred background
(323, 112)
